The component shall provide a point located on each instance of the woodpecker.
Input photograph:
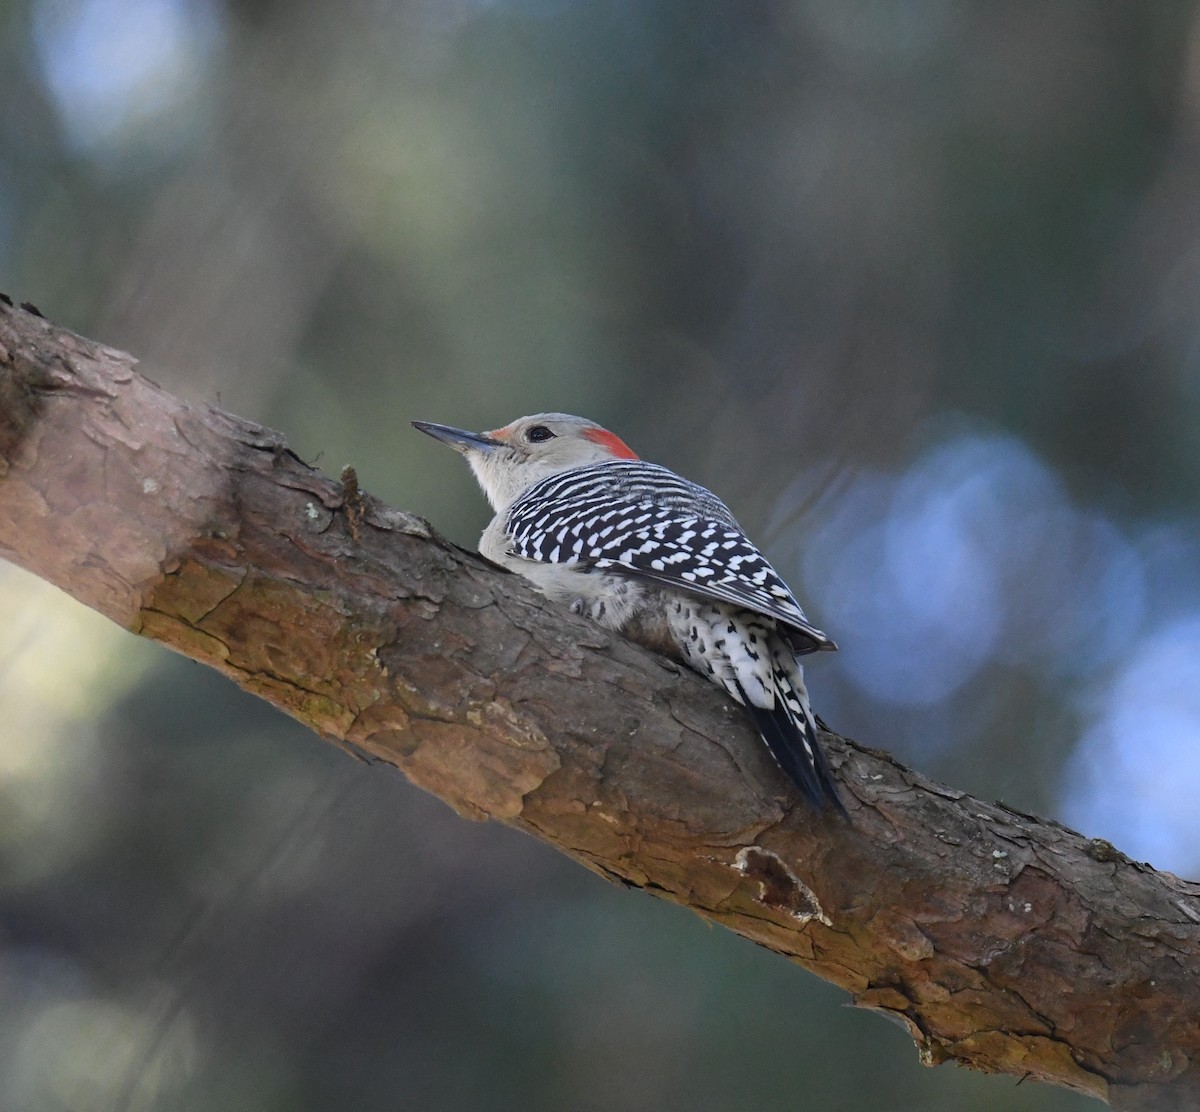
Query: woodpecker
(638, 549)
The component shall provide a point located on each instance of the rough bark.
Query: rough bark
(1001, 941)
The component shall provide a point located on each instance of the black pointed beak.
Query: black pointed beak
(458, 439)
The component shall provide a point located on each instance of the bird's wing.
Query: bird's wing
(663, 544)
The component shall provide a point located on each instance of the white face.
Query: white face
(532, 448)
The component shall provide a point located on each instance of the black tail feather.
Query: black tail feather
(824, 772)
(786, 739)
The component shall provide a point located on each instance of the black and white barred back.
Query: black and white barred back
(732, 616)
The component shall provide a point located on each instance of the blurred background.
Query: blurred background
(914, 287)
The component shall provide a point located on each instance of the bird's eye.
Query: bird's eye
(538, 433)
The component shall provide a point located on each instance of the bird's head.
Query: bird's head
(509, 460)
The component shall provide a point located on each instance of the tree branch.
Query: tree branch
(1002, 941)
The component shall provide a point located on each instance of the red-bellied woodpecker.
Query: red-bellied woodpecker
(639, 549)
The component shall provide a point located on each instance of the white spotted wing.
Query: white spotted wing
(645, 520)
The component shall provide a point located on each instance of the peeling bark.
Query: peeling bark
(1001, 941)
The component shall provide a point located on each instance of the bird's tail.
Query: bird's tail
(790, 731)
